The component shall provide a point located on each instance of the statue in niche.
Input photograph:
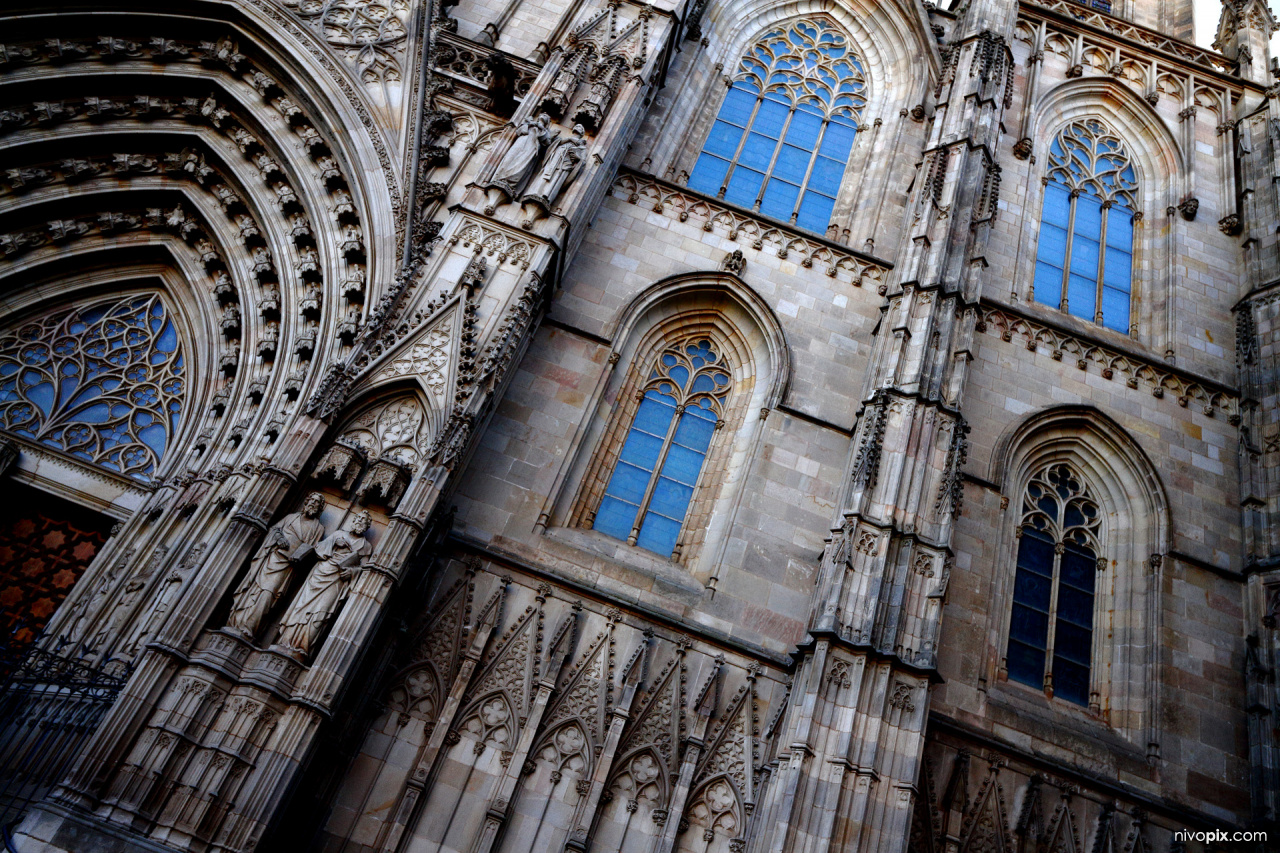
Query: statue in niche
(286, 543)
(94, 603)
(119, 616)
(564, 160)
(163, 599)
(325, 589)
(518, 163)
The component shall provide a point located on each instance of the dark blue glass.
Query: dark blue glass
(815, 212)
(744, 186)
(1070, 681)
(708, 174)
(779, 199)
(1025, 664)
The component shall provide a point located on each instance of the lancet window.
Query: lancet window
(104, 382)
(1051, 628)
(681, 404)
(782, 138)
(1084, 262)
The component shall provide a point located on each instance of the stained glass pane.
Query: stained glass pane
(708, 174)
(813, 90)
(744, 186)
(659, 468)
(779, 199)
(1053, 599)
(105, 382)
(1089, 160)
(815, 211)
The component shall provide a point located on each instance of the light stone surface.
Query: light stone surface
(820, 664)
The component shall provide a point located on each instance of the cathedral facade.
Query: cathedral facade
(715, 426)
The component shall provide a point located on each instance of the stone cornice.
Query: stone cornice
(1142, 39)
(1186, 387)
(684, 204)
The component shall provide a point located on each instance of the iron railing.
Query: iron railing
(51, 700)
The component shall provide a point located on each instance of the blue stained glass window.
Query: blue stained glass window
(661, 461)
(1051, 624)
(1084, 261)
(105, 383)
(782, 139)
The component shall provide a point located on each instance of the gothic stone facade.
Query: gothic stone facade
(698, 425)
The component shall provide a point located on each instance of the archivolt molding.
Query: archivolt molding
(1134, 534)
(370, 34)
(252, 239)
(670, 200)
(1153, 149)
(1152, 375)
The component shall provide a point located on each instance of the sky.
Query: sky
(1207, 12)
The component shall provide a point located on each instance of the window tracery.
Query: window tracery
(105, 382)
(782, 138)
(1051, 629)
(397, 431)
(1084, 261)
(682, 403)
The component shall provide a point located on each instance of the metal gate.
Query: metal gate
(50, 702)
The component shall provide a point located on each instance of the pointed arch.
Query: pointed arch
(641, 777)
(1131, 286)
(715, 312)
(491, 720)
(782, 139)
(1130, 534)
(715, 816)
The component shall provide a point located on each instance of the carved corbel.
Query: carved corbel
(341, 464)
(385, 483)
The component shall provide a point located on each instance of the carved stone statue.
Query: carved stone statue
(326, 586)
(273, 565)
(119, 617)
(519, 161)
(564, 161)
(94, 604)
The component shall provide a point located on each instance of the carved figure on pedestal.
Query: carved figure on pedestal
(518, 163)
(163, 599)
(94, 604)
(341, 555)
(564, 161)
(119, 616)
(273, 565)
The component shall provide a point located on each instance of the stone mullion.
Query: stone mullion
(579, 835)
(427, 766)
